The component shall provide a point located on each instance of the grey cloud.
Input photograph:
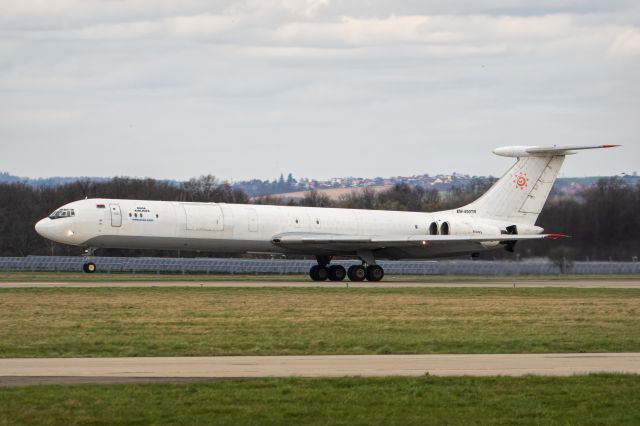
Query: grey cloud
(255, 88)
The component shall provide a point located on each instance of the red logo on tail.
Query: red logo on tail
(521, 180)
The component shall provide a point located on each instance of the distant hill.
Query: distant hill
(296, 188)
(332, 193)
(46, 182)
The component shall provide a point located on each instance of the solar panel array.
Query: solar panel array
(287, 266)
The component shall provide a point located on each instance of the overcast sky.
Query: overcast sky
(319, 88)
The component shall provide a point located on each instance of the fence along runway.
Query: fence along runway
(290, 266)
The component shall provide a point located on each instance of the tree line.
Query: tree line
(603, 220)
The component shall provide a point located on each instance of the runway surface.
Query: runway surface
(25, 371)
(516, 282)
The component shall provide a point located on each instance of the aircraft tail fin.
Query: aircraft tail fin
(519, 195)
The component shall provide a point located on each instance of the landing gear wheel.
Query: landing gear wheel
(319, 273)
(89, 267)
(337, 273)
(374, 273)
(357, 273)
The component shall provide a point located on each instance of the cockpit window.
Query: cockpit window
(60, 213)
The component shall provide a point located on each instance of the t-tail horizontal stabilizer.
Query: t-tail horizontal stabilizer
(518, 197)
(544, 151)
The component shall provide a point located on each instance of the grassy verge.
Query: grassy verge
(279, 321)
(149, 277)
(584, 400)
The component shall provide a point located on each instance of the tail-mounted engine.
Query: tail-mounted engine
(465, 228)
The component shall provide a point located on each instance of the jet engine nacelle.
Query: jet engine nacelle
(529, 229)
(467, 228)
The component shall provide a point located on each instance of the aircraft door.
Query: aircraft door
(116, 215)
(203, 217)
(253, 219)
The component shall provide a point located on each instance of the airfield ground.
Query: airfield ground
(392, 318)
(580, 400)
(89, 322)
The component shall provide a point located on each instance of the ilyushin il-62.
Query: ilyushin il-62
(504, 215)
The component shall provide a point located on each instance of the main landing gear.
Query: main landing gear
(323, 271)
(89, 267)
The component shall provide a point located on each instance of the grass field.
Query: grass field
(242, 321)
(579, 400)
(28, 277)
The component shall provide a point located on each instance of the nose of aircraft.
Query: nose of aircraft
(47, 229)
(42, 226)
(56, 230)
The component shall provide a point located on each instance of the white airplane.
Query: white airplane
(505, 214)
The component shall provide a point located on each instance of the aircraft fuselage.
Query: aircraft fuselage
(238, 228)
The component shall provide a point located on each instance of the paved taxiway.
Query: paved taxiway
(180, 369)
(518, 283)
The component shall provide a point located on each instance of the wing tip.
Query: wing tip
(610, 146)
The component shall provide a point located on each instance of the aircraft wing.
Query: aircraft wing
(373, 242)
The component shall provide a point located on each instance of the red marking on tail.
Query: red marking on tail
(557, 236)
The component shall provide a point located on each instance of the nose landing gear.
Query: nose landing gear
(89, 267)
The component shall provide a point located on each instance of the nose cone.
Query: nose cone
(59, 230)
(44, 227)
